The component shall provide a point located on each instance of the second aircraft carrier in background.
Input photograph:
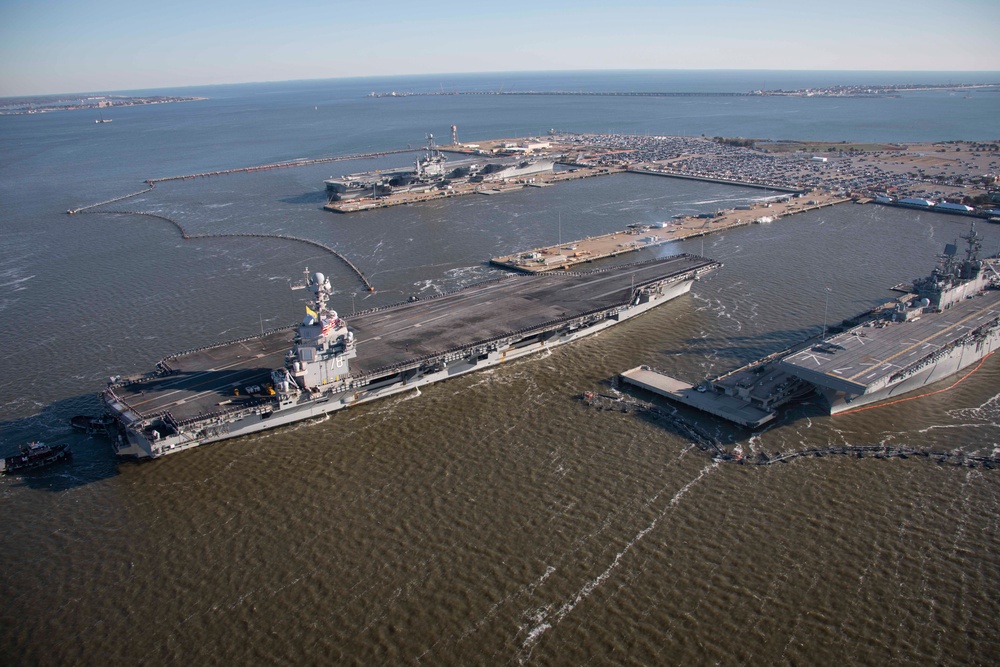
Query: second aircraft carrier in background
(433, 171)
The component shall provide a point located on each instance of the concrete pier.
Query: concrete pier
(720, 405)
(567, 255)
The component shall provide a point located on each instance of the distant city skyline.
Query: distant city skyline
(54, 46)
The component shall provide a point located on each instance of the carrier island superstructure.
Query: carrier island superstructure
(327, 363)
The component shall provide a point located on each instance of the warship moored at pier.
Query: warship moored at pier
(326, 363)
(432, 170)
(948, 321)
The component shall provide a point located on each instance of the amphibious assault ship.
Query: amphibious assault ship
(947, 322)
(950, 321)
(326, 363)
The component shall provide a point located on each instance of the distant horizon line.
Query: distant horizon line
(109, 91)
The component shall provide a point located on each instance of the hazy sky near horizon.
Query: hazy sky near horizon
(60, 46)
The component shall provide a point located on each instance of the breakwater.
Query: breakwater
(285, 237)
(277, 165)
(564, 93)
(151, 182)
(86, 208)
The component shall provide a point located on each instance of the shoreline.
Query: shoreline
(117, 102)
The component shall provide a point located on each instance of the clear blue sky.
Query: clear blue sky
(59, 46)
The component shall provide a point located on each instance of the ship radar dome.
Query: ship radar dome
(319, 278)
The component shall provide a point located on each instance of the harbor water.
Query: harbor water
(493, 518)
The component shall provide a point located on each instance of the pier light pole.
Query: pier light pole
(826, 309)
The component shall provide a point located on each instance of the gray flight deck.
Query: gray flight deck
(402, 335)
(200, 380)
(515, 304)
(859, 358)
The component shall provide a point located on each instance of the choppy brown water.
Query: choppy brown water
(491, 519)
(495, 519)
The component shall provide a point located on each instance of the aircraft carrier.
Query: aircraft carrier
(325, 363)
(433, 170)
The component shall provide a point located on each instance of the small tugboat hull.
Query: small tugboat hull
(34, 455)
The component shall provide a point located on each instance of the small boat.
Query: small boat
(34, 455)
(91, 424)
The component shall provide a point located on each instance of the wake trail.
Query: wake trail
(545, 623)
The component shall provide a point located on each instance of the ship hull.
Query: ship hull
(20, 463)
(340, 192)
(522, 170)
(136, 439)
(956, 360)
(383, 184)
(134, 445)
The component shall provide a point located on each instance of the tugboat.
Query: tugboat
(91, 425)
(34, 455)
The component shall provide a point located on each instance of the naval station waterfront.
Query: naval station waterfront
(855, 174)
(953, 172)
(495, 517)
